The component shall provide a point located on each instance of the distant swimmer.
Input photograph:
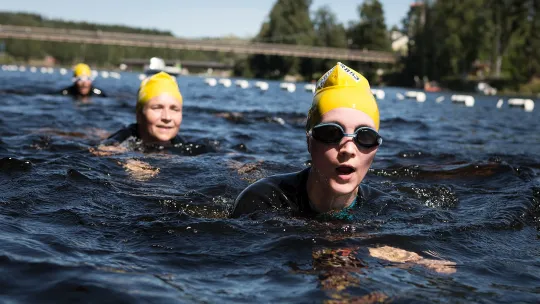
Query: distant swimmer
(82, 83)
(342, 138)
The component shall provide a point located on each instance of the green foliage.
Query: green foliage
(289, 23)
(328, 33)
(25, 19)
(370, 32)
(101, 55)
(451, 39)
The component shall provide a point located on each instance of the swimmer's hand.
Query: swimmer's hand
(102, 150)
(97, 133)
(140, 170)
(397, 255)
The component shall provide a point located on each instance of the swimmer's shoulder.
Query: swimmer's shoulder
(121, 135)
(98, 92)
(68, 91)
(368, 192)
(282, 191)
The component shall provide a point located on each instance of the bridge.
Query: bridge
(169, 42)
(185, 63)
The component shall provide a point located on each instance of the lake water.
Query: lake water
(462, 185)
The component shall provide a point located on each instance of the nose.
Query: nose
(165, 115)
(347, 147)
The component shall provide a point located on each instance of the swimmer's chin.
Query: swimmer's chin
(341, 188)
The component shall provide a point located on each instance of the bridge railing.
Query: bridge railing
(159, 41)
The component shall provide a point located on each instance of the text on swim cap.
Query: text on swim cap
(349, 71)
(323, 79)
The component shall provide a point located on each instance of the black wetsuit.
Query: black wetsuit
(130, 136)
(73, 91)
(286, 192)
(132, 132)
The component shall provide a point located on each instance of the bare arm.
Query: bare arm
(397, 255)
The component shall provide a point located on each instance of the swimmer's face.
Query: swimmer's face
(160, 119)
(342, 166)
(84, 86)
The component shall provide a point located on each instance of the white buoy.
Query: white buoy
(142, 76)
(288, 86)
(104, 74)
(310, 87)
(439, 99)
(500, 103)
(50, 70)
(516, 102)
(263, 86)
(115, 75)
(63, 71)
(419, 96)
(411, 94)
(527, 104)
(33, 69)
(210, 81)
(244, 84)
(22, 68)
(400, 96)
(379, 94)
(291, 88)
(226, 82)
(468, 100)
(95, 74)
(43, 70)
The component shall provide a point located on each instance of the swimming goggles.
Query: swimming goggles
(82, 78)
(332, 133)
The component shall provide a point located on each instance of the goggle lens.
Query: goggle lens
(333, 133)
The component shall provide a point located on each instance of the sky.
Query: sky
(189, 18)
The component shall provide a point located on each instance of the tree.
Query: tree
(289, 23)
(328, 33)
(509, 18)
(370, 32)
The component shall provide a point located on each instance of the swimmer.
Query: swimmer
(82, 83)
(342, 138)
(158, 114)
(342, 134)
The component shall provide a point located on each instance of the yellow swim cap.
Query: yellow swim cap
(156, 85)
(82, 70)
(342, 87)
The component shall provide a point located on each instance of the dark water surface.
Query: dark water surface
(462, 185)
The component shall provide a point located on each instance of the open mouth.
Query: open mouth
(345, 170)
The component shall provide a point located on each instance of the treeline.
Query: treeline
(449, 41)
(100, 55)
(291, 22)
(457, 41)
